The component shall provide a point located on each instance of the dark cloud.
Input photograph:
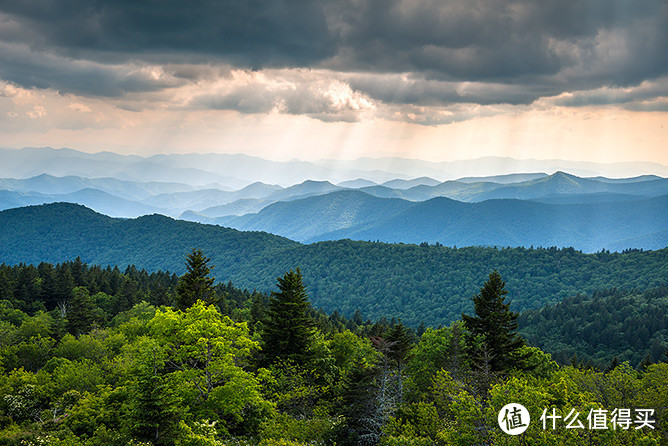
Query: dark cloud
(554, 41)
(249, 32)
(417, 90)
(511, 52)
(319, 98)
(647, 96)
(35, 70)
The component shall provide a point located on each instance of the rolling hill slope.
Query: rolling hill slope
(417, 283)
(589, 225)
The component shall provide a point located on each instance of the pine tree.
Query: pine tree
(154, 409)
(362, 423)
(82, 314)
(401, 341)
(496, 326)
(195, 284)
(288, 329)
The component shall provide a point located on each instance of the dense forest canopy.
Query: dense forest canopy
(417, 283)
(93, 355)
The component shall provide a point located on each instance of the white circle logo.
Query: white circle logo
(514, 419)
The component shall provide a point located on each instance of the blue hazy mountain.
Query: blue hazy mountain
(356, 183)
(588, 226)
(237, 207)
(306, 189)
(308, 218)
(429, 283)
(33, 161)
(237, 170)
(407, 184)
(504, 179)
(561, 183)
(252, 198)
(506, 222)
(49, 184)
(206, 198)
(95, 199)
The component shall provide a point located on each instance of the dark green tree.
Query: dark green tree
(195, 284)
(494, 326)
(154, 409)
(82, 314)
(288, 329)
(362, 418)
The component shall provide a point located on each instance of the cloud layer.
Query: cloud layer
(424, 61)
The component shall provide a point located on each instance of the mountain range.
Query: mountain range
(415, 282)
(237, 170)
(532, 209)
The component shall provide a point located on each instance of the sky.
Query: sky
(437, 80)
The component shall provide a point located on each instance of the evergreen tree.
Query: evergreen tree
(155, 410)
(82, 314)
(288, 329)
(195, 284)
(362, 423)
(496, 326)
(400, 340)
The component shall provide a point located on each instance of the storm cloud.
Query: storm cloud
(413, 53)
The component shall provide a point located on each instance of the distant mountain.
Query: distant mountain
(561, 183)
(49, 184)
(280, 172)
(494, 166)
(306, 189)
(451, 189)
(417, 283)
(201, 199)
(589, 227)
(501, 222)
(504, 179)
(637, 179)
(356, 184)
(238, 207)
(29, 162)
(234, 171)
(308, 218)
(95, 199)
(600, 197)
(386, 192)
(407, 184)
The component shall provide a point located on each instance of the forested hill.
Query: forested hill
(430, 284)
(599, 327)
(63, 231)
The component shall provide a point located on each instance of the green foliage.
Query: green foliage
(429, 284)
(288, 328)
(627, 324)
(195, 284)
(153, 375)
(361, 419)
(209, 355)
(437, 349)
(155, 409)
(496, 326)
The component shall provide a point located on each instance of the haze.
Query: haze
(439, 81)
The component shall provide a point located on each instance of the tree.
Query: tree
(289, 329)
(495, 326)
(362, 423)
(154, 408)
(210, 352)
(195, 284)
(82, 314)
